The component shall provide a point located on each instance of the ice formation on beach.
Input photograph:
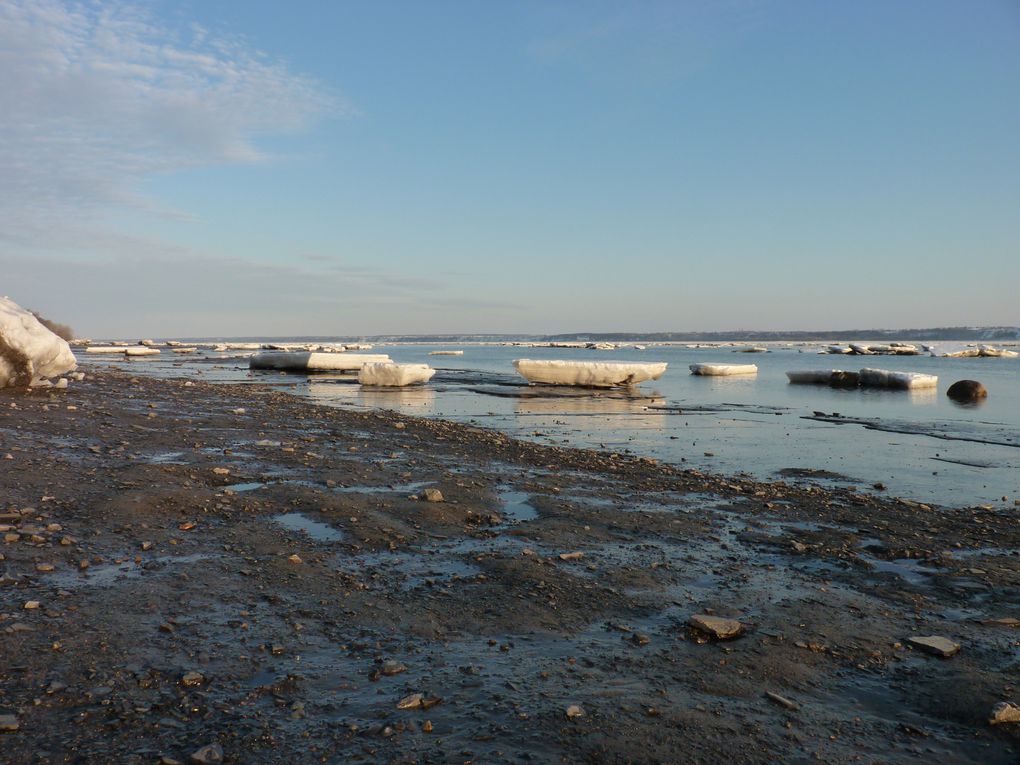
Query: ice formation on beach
(882, 378)
(982, 351)
(314, 362)
(29, 352)
(720, 370)
(589, 374)
(389, 375)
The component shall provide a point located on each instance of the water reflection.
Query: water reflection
(418, 400)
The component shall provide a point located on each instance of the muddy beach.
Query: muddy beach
(206, 573)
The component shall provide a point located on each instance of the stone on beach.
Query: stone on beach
(211, 754)
(716, 627)
(29, 352)
(934, 644)
(967, 390)
(1004, 712)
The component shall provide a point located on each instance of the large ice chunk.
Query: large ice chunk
(589, 374)
(28, 351)
(724, 369)
(299, 361)
(882, 378)
(391, 375)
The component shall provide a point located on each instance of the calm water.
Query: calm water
(919, 444)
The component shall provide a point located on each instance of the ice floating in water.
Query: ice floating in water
(29, 352)
(105, 349)
(313, 362)
(140, 350)
(834, 377)
(882, 378)
(389, 375)
(724, 369)
(589, 374)
(982, 351)
(446, 353)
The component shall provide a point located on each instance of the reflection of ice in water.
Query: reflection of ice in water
(559, 403)
(418, 399)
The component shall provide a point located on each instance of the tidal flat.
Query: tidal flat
(193, 571)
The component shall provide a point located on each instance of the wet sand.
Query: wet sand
(187, 564)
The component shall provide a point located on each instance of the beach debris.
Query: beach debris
(781, 700)
(390, 375)
(574, 711)
(1004, 712)
(934, 644)
(191, 679)
(967, 390)
(433, 495)
(716, 627)
(210, 754)
(29, 352)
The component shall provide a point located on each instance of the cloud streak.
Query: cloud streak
(95, 97)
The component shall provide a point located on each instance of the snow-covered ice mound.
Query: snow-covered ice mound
(724, 369)
(28, 351)
(299, 361)
(388, 375)
(588, 374)
(882, 378)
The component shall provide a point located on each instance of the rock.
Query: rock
(571, 556)
(31, 605)
(716, 627)
(574, 711)
(295, 558)
(433, 495)
(1003, 712)
(221, 471)
(192, 679)
(781, 700)
(9, 723)
(211, 754)
(967, 390)
(1005, 621)
(935, 645)
(414, 701)
(391, 667)
(426, 727)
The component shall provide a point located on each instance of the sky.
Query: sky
(322, 167)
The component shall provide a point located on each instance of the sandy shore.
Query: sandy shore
(187, 565)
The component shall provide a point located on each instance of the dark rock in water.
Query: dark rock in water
(844, 380)
(967, 390)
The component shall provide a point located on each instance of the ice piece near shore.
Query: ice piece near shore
(837, 378)
(300, 361)
(446, 353)
(389, 375)
(588, 374)
(105, 349)
(715, 370)
(29, 352)
(140, 350)
(883, 378)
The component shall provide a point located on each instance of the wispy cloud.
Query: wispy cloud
(95, 97)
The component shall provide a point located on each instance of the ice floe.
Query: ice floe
(724, 369)
(29, 352)
(883, 378)
(389, 375)
(589, 374)
(300, 361)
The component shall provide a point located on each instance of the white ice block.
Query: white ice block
(589, 374)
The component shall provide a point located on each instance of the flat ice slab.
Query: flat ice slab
(588, 374)
(724, 369)
(29, 352)
(105, 349)
(446, 353)
(390, 375)
(882, 378)
(300, 361)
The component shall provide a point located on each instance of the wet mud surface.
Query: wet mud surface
(186, 564)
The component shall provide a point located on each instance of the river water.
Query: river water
(915, 444)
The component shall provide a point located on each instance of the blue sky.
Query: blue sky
(214, 167)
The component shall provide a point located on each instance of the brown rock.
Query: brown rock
(1004, 712)
(967, 390)
(716, 627)
(935, 645)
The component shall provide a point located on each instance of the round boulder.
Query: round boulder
(967, 390)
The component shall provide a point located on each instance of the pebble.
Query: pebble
(221, 471)
(1005, 712)
(934, 644)
(716, 627)
(31, 605)
(9, 723)
(433, 495)
(295, 558)
(192, 678)
(414, 701)
(211, 754)
(574, 711)
(391, 667)
(571, 556)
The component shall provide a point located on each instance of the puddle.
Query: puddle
(166, 458)
(516, 508)
(317, 530)
(397, 488)
(908, 569)
(111, 573)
